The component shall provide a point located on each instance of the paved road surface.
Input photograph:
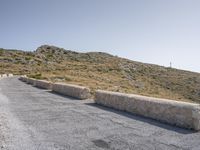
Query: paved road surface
(35, 119)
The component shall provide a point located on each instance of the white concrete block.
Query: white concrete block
(30, 81)
(23, 78)
(71, 90)
(43, 84)
(177, 113)
(4, 75)
(10, 75)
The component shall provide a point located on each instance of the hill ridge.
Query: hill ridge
(100, 70)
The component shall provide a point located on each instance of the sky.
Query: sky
(150, 31)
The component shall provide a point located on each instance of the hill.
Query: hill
(99, 70)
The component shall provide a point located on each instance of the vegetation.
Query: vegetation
(102, 71)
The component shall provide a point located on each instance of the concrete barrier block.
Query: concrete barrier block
(4, 75)
(10, 75)
(31, 81)
(23, 78)
(43, 84)
(177, 113)
(71, 90)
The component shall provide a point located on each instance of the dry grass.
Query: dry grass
(103, 71)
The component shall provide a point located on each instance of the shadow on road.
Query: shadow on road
(64, 96)
(144, 119)
(132, 116)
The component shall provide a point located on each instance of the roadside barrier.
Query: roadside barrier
(75, 91)
(71, 90)
(31, 81)
(43, 84)
(177, 113)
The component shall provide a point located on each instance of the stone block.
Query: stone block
(71, 90)
(177, 113)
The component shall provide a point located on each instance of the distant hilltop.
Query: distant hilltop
(99, 70)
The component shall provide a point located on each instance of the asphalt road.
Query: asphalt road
(36, 119)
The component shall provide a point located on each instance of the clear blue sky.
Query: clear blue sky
(151, 31)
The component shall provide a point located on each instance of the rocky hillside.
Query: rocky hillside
(102, 71)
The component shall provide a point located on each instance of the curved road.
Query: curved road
(36, 119)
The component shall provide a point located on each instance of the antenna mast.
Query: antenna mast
(170, 64)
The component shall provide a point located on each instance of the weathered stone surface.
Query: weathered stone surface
(23, 78)
(4, 75)
(31, 81)
(43, 84)
(177, 113)
(61, 88)
(71, 90)
(10, 75)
